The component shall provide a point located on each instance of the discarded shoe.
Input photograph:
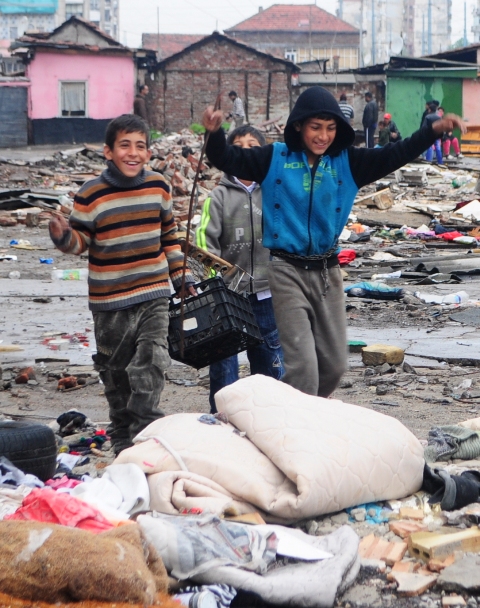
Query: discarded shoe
(451, 491)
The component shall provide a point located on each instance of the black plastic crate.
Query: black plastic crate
(218, 323)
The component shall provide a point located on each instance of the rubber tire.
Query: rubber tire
(31, 447)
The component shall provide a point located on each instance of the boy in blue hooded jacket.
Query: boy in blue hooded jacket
(309, 184)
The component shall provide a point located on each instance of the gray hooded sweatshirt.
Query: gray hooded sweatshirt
(231, 227)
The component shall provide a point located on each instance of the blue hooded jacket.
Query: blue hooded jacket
(305, 209)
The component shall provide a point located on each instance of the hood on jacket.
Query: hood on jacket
(314, 101)
(229, 180)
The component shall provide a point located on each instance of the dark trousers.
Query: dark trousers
(132, 357)
(370, 135)
(266, 358)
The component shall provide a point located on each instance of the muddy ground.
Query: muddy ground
(439, 385)
(421, 398)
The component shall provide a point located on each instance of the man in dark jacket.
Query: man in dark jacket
(370, 119)
(139, 105)
(309, 184)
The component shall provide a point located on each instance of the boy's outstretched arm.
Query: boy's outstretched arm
(212, 119)
(369, 164)
(245, 163)
(448, 123)
(67, 238)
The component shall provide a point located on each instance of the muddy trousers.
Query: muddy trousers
(311, 325)
(132, 358)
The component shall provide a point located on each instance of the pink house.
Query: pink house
(80, 78)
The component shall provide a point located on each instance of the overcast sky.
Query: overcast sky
(204, 16)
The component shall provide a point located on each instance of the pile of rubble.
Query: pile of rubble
(29, 191)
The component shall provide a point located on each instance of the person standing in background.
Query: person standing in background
(394, 133)
(432, 117)
(139, 105)
(370, 119)
(238, 113)
(346, 108)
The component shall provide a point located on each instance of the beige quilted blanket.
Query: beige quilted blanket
(300, 456)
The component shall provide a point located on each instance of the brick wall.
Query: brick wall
(184, 86)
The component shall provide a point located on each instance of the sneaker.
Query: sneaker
(460, 155)
(450, 157)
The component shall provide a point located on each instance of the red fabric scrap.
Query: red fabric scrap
(449, 236)
(346, 256)
(63, 482)
(53, 507)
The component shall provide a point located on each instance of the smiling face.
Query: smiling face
(130, 152)
(317, 136)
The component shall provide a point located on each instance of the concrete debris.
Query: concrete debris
(379, 354)
(439, 545)
(463, 575)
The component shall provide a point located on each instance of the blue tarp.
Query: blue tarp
(28, 6)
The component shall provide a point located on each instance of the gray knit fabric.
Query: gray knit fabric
(451, 441)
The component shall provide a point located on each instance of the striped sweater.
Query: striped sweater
(128, 227)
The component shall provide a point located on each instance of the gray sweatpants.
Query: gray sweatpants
(132, 358)
(311, 325)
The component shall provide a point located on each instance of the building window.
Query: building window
(291, 55)
(13, 33)
(107, 14)
(73, 9)
(73, 98)
(345, 58)
(94, 6)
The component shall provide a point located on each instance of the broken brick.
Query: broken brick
(396, 553)
(411, 513)
(437, 565)
(376, 548)
(453, 600)
(410, 584)
(404, 528)
(406, 566)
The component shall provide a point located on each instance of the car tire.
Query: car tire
(31, 447)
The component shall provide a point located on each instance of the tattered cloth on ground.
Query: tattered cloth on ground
(303, 583)
(301, 456)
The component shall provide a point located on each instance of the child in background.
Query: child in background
(124, 219)
(432, 117)
(383, 134)
(449, 140)
(231, 228)
(309, 185)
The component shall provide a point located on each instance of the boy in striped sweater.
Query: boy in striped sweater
(124, 219)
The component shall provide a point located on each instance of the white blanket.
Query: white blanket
(302, 456)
